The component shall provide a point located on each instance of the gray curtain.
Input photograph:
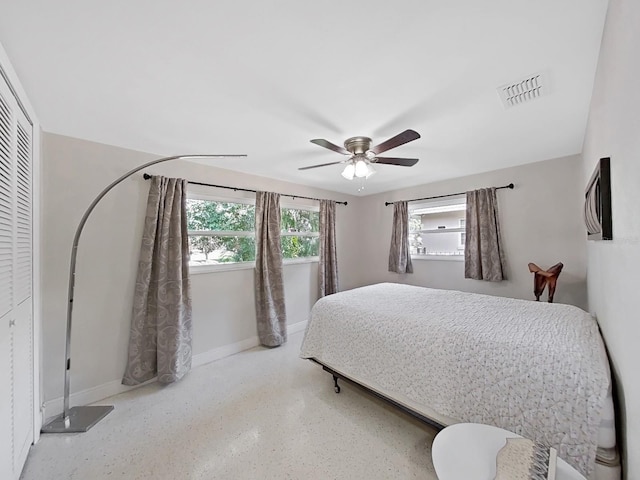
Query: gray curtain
(328, 267)
(483, 252)
(399, 255)
(160, 335)
(269, 285)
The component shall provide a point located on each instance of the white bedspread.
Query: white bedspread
(536, 369)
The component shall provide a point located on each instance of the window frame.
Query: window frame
(435, 203)
(248, 265)
(309, 208)
(463, 224)
(227, 266)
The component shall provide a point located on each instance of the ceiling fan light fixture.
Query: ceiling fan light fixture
(362, 155)
(370, 170)
(349, 171)
(361, 168)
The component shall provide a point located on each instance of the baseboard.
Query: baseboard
(224, 351)
(297, 327)
(88, 396)
(100, 392)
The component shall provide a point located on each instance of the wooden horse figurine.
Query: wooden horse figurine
(542, 278)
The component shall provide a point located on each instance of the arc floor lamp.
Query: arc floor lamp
(82, 418)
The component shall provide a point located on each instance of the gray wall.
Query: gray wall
(541, 223)
(74, 171)
(613, 276)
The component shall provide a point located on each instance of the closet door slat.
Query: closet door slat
(7, 204)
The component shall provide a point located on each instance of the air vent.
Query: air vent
(522, 91)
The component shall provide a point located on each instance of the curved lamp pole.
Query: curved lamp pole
(82, 418)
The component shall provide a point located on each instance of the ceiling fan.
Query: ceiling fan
(362, 155)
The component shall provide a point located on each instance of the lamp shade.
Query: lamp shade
(361, 169)
(349, 171)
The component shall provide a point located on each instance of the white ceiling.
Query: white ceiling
(265, 77)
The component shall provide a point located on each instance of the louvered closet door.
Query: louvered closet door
(22, 332)
(6, 281)
(16, 349)
(6, 429)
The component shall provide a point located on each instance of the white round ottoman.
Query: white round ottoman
(467, 451)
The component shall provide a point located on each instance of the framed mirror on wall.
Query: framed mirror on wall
(597, 203)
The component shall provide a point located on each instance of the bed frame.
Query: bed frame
(417, 415)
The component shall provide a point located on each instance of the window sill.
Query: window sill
(220, 267)
(227, 267)
(297, 261)
(446, 258)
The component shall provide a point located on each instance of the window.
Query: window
(300, 233)
(223, 232)
(220, 232)
(437, 228)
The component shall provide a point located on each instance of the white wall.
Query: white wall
(74, 172)
(541, 223)
(613, 276)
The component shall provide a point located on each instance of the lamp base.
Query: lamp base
(80, 419)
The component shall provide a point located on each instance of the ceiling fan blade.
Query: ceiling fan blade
(400, 139)
(326, 144)
(402, 162)
(321, 165)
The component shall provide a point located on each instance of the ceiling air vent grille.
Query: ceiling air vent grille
(522, 91)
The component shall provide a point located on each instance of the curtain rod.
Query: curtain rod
(236, 189)
(510, 186)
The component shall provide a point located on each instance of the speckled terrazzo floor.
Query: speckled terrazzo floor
(260, 414)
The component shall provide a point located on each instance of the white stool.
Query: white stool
(467, 451)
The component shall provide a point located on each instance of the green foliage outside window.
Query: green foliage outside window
(208, 215)
(299, 247)
(220, 249)
(294, 220)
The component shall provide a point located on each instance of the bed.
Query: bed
(537, 369)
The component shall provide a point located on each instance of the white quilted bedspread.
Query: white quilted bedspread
(536, 369)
